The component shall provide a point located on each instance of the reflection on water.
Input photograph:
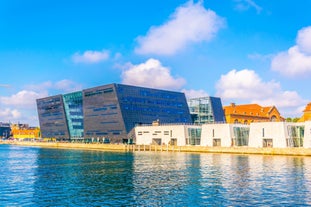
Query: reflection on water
(51, 177)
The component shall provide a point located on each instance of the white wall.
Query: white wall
(216, 131)
(307, 135)
(277, 131)
(145, 134)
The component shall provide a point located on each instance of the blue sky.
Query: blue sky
(244, 51)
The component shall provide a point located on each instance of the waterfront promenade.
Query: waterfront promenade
(165, 148)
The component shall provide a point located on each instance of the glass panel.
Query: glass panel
(74, 114)
(241, 136)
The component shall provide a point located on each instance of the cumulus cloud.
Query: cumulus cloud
(9, 114)
(90, 56)
(67, 86)
(246, 86)
(243, 5)
(23, 99)
(151, 74)
(194, 93)
(62, 86)
(190, 23)
(296, 61)
(21, 106)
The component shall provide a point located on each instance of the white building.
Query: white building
(276, 134)
(307, 134)
(259, 134)
(178, 135)
(224, 135)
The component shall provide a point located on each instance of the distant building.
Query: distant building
(165, 134)
(306, 114)
(108, 113)
(5, 130)
(23, 131)
(206, 110)
(257, 135)
(249, 113)
(279, 135)
(225, 135)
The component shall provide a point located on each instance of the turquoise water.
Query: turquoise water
(32, 176)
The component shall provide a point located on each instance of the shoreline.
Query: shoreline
(165, 148)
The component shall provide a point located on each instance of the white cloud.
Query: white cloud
(304, 40)
(151, 74)
(90, 56)
(67, 86)
(190, 23)
(296, 61)
(62, 86)
(244, 5)
(22, 99)
(21, 106)
(8, 114)
(194, 93)
(245, 86)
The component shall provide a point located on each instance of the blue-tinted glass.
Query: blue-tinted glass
(74, 114)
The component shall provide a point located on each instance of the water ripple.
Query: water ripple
(51, 177)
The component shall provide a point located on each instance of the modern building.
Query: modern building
(206, 110)
(277, 134)
(5, 130)
(24, 131)
(306, 114)
(109, 112)
(256, 135)
(225, 135)
(165, 134)
(249, 113)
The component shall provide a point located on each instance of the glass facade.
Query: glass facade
(206, 110)
(241, 135)
(144, 105)
(194, 136)
(74, 114)
(110, 112)
(52, 117)
(5, 130)
(102, 115)
(296, 136)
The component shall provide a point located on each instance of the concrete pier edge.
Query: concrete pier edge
(163, 149)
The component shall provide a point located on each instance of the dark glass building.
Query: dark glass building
(52, 117)
(109, 112)
(5, 130)
(206, 110)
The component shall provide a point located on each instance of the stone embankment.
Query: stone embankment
(165, 148)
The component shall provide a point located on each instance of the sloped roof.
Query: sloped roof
(249, 109)
(308, 108)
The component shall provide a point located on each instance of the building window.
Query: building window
(216, 142)
(263, 132)
(267, 143)
(273, 118)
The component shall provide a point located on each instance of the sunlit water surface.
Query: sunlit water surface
(32, 176)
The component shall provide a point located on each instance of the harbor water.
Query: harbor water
(33, 176)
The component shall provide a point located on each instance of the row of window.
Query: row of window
(98, 92)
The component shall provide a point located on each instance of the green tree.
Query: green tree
(288, 119)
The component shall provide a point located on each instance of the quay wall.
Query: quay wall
(164, 148)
